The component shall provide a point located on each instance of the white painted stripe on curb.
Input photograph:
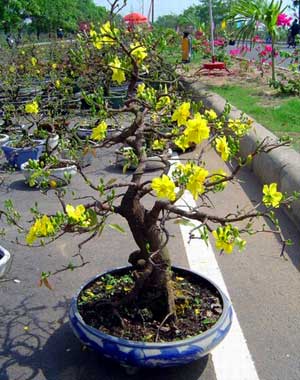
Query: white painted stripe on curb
(231, 358)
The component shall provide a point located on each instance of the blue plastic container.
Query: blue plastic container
(17, 156)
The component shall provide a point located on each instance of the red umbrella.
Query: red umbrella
(135, 18)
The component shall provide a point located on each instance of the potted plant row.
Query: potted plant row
(150, 313)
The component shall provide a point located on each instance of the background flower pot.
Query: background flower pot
(141, 354)
(17, 156)
(56, 174)
(116, 99)
(83, 158)
(51, 141)
(3, 139)
(5, 261)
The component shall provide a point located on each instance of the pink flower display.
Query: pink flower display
(234, 52)
(257, 39)
(245, 49)
(284, 20)
(268, 48)
(219, 42)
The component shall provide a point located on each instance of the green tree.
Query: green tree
(252, 13)
(167, 21)
(199, 14)
(48, 15)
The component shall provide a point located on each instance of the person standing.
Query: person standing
(294, 30)
(186, 47)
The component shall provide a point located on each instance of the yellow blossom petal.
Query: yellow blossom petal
(99, 132)
(164, 187)
(222, 147)
(181, 113)
(272, 197)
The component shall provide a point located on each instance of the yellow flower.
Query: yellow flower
(238, 127)
(99, 132)
(228, 236)
(98, 44)
(42, 227)
(33, 61)
(106, 29)
(158, 144)
(108, 34)
(223, 25)
(196, 182)
(197, 129)
(140, 89)
(163, 102)
(224, 240)
(138, 52)
(57, 83)
(12, 69)
(93, 33)
(186, 169)
(164, 187)
(271, 197)
(181, 113)
(118, 72)
(182, 142)
(32, 107)
(77, 214)
(54, 66)
(210, 114)
(222, 147)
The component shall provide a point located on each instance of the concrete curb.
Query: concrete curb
(281, 165)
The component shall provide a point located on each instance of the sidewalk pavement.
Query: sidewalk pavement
(282, 165)
(36, 340)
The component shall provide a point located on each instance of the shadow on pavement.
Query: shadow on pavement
(21, 185)
(73, 363)
(34, 348)
(253, 188)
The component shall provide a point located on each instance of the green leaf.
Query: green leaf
(184, 222)
(117, 228)
(111, 181)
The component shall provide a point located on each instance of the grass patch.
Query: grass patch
(281, 115)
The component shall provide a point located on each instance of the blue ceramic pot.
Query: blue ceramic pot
(141, 354)
(5, 261)
(17, 156)
(116, 99)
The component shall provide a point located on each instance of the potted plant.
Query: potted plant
(150, 313)
(48, 171)
(5, 261)
(21, 150)
(3, 139)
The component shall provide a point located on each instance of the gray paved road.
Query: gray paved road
(264, 290)
(253, 54)
(49, 350)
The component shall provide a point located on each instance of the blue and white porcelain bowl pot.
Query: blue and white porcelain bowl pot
(141, 354)
(5, 261)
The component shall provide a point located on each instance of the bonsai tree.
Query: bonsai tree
(162, 118)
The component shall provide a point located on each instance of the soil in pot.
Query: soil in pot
(198, 307)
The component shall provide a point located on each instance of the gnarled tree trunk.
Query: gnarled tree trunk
(151, 261)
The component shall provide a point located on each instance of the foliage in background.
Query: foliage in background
(44, 16)
(254, 13)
